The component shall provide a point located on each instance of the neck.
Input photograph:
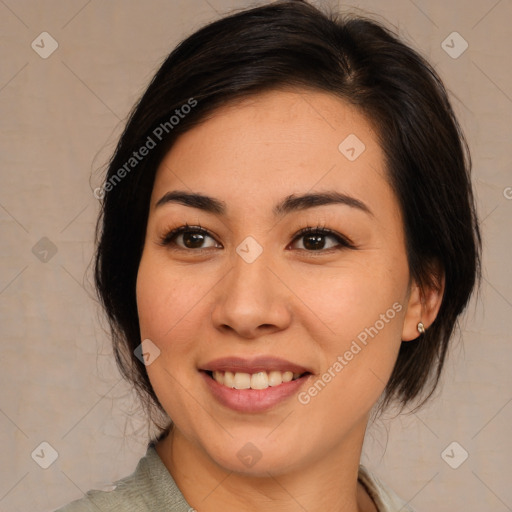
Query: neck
(328, 482)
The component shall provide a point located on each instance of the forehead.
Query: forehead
(276, 143)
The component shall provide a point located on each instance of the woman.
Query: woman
(288, 237)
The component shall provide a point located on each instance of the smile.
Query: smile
(253, 384)
(258, 380)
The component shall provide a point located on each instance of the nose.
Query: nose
(251, 300)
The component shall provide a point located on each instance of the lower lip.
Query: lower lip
(253, 400)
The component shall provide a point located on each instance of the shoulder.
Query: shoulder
(385, 498)
(150, 487)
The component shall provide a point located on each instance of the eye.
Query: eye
(187, 237)
(314, 239)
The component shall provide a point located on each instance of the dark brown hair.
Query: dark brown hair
(290, 44)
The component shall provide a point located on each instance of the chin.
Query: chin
(258, 467)
(257, 457)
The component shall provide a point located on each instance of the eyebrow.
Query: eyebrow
(289, 204)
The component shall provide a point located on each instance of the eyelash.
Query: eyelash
(344, 243)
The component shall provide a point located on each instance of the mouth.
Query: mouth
(257, 380)
(253, 385)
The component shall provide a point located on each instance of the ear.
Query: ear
(423, 304)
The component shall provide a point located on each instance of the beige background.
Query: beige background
(59, 120)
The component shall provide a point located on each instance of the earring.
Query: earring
(421, 328)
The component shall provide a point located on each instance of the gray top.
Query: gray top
(151, 488)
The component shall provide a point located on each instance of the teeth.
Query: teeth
(242, 381)
(259, 380)
(275, 378)
(287, 376)
(219, 377)
(229, 379)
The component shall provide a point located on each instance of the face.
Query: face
(241, 297)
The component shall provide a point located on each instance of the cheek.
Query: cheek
(165, 298)
(363, 307)
(351, 297)
(357, 361)
(165, 303)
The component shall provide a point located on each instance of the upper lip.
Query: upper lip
(253, 365)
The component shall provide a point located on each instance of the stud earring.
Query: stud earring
(421, 328)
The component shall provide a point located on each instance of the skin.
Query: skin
(293, 302)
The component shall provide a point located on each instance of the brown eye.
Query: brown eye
(188, 237)
(315, 240)
(192, 240)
